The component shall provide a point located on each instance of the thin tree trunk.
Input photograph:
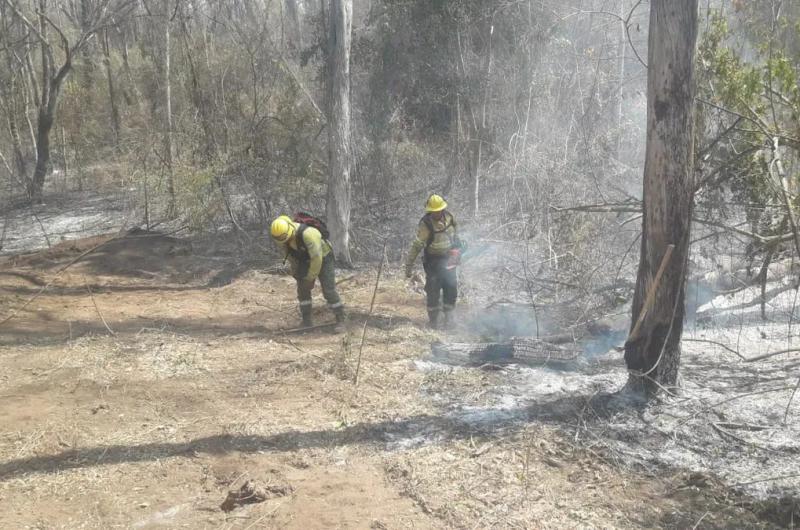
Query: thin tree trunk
(653, 354)
(293, 11)
(45, 119)
(621, 49)
(455, 130)
(64, 154)
(529, 81)
(197, 97)
(484, 123)
(339, 188)
(112, 93)
(168, 114)
(20, 166)
(126, 65)
(45, 125)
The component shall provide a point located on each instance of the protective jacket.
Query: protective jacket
(436, 237)
(306, 248)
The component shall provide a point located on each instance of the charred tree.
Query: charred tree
(653, 351)
(339, 152)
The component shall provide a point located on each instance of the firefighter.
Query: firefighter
(310, 256)
(438, 237)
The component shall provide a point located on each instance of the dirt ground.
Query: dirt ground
(153, 376)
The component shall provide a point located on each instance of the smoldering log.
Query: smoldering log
(521, 350)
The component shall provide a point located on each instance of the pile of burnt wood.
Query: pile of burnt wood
(523, 350)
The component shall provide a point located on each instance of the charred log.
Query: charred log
(518, 350)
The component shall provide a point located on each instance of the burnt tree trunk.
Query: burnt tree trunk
(45, 126)
(339, 189)
(653, 353)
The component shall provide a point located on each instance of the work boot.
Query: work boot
(433, 318)
(305, 312)
(341, 320)
(448, 319)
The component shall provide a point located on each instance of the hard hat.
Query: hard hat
(436, 203)
(281, 228)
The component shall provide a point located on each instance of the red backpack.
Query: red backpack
(306, 220)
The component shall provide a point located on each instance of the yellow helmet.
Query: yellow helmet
(282, 228)
(436, 203)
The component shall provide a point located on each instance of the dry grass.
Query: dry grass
(152, 426)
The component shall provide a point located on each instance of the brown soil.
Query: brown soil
(151, 378)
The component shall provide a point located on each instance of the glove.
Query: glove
(453, 258)
(308, 284)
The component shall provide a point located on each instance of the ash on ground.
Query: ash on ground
(734, 417)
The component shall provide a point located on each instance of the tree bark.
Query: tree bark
(20, 166)
(46, 112)
(653, 354)
(339, 153)
(293, 12)
(112, 92)
(45, 125)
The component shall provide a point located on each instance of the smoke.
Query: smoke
(502, 321)
(697, 295)
(604, 343)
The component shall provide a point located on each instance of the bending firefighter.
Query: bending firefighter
(304, 241)
(438, 238)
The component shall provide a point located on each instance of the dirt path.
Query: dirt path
(135, 394)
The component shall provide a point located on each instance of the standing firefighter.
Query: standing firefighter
(438, 236)
(304, 240)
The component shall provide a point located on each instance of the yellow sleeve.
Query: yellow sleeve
(313, 242)
(419, 243)
(287, 256)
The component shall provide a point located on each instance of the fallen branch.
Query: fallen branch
(718, 427)
(714, 405)
(791, 398)
(306, 328)
(41, 226)
(603, 208)
(96, 308)
(779, 477)
(770, 354)
(718, 344)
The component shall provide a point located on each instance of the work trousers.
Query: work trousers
(327, 279)
(440, 283)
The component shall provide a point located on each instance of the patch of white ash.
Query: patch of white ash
(70, 217)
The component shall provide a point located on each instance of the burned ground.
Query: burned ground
(138, 391)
